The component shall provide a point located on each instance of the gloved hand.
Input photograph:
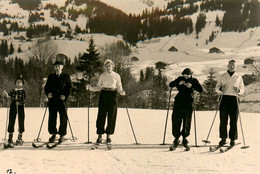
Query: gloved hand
(49, 95)
(62, 97)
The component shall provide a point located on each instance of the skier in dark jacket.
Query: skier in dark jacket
(57, 89)
(18, 99)
(182, 110)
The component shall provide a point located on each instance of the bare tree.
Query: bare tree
(42, 53)
(119, 53)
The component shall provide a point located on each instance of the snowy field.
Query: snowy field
(126, 156)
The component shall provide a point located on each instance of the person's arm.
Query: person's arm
(240, 89)
(197, 86)
(219, 87)
(98, 87)
(174, 83)
(67, 88)
(119, 86)
(47, 88)
(24, 97)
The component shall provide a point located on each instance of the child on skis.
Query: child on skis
(18, 99)
(109, 84)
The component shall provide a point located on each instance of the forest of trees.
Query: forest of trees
(151, 89)
(239, 15)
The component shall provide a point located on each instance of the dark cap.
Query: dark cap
(59, 59)
(232, 60)
(19, 78)
(187, 71)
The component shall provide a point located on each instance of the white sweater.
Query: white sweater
(109, 80)
(228, 84)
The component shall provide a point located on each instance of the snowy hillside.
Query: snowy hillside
(192, 52)
(126, 157)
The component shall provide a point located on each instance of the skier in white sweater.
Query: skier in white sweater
(230, 85)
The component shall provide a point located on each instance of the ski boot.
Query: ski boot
(232, 143)
(19, 140)
(222, 142)
(185, 143)
(176, 142)
(109, 145)
(52, 138)
(97, 143)
(62, 139)
(10, 142)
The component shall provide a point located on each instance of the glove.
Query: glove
(62, 97)
(237, 90)
(123, 93)
(182, 82)
(88, 87)
(189, 85)
(49, 95)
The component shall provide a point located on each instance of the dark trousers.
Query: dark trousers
(228, 109)
(107, 108)
(181, 116)
(12, 118)
(56, 106)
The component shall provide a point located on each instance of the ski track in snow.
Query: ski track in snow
(126, 156)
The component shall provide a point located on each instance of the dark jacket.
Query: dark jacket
(58, 86)
(18, 96)
(184, 97)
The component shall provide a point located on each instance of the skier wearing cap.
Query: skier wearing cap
(229, 86)
(109, 84)
(182, 109)
(57, 89)
(18, 99)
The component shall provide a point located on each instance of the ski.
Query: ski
(109, 146)
(8, 145)
(187, 148)
(172, 148)
(227, 148)
(95, 146)
(38, 145)
(53, 145)
(214, 149)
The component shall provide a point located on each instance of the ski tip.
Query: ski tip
(221, 150)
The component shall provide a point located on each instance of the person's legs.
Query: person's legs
(52, 122)
(63, 119)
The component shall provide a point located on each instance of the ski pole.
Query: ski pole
(195, 130)
(243, 147)
(38, 137)
(131, 124)
(207, 141)
(73, 138)
(195, 126)
(167, 117)
(17, 112)
(88, 142)
(6, 124)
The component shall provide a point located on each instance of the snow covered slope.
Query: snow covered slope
(126, 157)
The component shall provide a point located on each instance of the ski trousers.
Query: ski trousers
(56, 106)
(12, 117)
(228, 109)
(181, 116)
(107, 108)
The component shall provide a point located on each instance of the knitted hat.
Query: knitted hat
(19, 78)
(187, 71)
